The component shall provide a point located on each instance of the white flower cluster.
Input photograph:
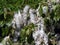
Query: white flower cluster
(18, 20)
(32, 13)
(39, 35)
(25, 14)
(21, 18)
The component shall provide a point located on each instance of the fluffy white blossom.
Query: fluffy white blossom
(16, 23)
(32, 13)
(39, 35)
(25, 11)
(17, 19)
(26, 8)
(25, 14)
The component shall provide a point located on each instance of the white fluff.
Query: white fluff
(20, 17)
(39, 35)
(32, 16)
(25, 14)
(25, 11)
(17, 20)
(16, 23)
(26, 8)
